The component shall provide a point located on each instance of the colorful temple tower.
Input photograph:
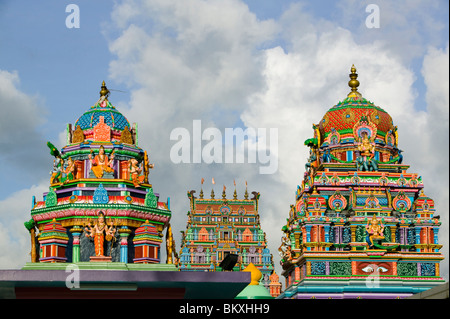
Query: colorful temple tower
(361, 226)
(220, 226)
(100, 206)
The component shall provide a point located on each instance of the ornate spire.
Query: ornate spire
(104, 91)
(353, 83)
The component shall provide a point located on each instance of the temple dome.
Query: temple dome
(344, 115)
(111, 116)
(342, 118)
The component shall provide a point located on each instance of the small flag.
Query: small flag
(224, 188)
(234, 181)
(213, 180)
(203, 180)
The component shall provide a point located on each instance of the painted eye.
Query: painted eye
(367, 269)
(382, 269)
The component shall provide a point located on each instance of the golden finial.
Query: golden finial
(104, 91)
(353, 83)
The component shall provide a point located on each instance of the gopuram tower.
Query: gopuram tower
(100, 206)
(221, 226)
(361, 225)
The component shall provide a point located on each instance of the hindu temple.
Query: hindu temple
(100, 206)
(361, 225)
(221, 227)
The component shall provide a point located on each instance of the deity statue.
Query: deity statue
(100, 163)
(172, 256)
(365, 147)
(58, 164)
(134, 171)
(311, 165)
(374, 230)
(365, 161)
(147, 166)
(70, 170)
(99, 232)
(56, 173)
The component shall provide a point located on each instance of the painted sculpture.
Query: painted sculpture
(99, 198)
(101, 163)
(374, 231)
(358, 213)
(100, 232)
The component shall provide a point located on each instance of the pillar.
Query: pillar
(418, 230)
(393, 229)
(76, 233)
(124, 232)
(353, 230)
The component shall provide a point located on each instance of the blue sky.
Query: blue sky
(255, 63)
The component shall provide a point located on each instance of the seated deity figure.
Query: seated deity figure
(100, 163)
(374, 230)
(99, 232)
(365, 147)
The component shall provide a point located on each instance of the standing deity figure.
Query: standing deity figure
(70, 170)
(172, 256)
(56, 173)
(100, 163)
(147, 166)
(365, 161)
(135, 171)
(374, 230)
(99, 232)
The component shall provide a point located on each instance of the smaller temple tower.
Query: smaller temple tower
(217, 227)
(100, 206)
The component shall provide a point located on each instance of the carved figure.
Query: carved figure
(147, 166)
(135, 172)
(99, 232)
(100, 163)
(374, 230)
(70, 170)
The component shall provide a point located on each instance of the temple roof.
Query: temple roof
(345, 114)
(112, 117)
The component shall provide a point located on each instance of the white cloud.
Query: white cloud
(22, 116)
(15, 242)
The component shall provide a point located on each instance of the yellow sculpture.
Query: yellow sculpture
(100, 163)
(366, 147)
(172, 256)
(375, 230)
